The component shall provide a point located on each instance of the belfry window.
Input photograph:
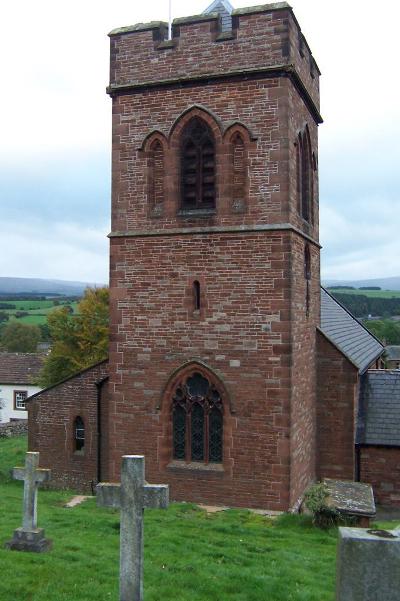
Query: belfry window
(197, 421)
(79, 434)
(197, 166)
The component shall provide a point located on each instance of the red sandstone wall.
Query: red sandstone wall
(337, 386)
(51, 416)
(252, 332)
(380, 466)
(242, 334)
(303, 372)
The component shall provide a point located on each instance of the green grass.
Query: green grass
(189, 555)
(369, 293)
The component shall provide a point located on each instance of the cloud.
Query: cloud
(60, 250)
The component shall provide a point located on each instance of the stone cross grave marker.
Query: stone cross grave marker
(132, 496)
(30, 537)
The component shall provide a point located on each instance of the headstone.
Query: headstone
(132, 496)
(368, 565)
(351, 499)
(30, 537)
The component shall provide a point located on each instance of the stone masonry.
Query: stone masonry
(253, 332)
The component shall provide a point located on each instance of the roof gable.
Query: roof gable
(347, 334)
(224, 8)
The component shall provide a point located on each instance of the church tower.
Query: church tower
(215, 255)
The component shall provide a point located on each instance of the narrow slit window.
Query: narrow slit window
(196, 295)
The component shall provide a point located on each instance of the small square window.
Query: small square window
(20, 397)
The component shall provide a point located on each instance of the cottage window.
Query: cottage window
(20, 397)
(197, 421)
(197, 166)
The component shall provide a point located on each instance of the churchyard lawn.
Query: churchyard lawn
(189, 555)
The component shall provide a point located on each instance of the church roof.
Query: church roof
(224, 8)
(343, 330)
(379, 408)
(20, 368)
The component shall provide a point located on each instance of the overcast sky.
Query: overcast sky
(55, 121)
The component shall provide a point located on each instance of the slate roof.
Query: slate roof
(224, 8)
(19, 368)
(392, 352)
(379, 408)
(347, 333)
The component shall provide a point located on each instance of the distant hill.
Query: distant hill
(38, 286)
(392, 283)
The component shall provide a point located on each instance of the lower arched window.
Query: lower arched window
(79, 434)
(197, 421)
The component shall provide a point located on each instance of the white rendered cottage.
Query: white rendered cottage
(18, 372)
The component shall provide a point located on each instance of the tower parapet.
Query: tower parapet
(263, 39)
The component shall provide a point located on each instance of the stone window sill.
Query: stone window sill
(196, 466)
(196, 212)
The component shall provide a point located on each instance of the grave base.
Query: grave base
(29, 540)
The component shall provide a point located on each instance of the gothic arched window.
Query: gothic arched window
(79, 434)
(197, 420)
(198, 166)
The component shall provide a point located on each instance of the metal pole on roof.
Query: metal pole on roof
(170, 20)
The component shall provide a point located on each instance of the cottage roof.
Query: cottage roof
(20, 368)
(392, 352)
(343, 330)
(379, 408)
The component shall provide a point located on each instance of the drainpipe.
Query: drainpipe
(98, 386)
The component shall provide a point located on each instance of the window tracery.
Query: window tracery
(197, 420)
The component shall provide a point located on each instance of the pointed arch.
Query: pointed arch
(305, 178)
(197, 165)
(197, 420)
(155, 150)
(196, 110)
(195, 399)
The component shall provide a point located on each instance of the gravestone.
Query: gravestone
(132, 496)
(29, 537)
(351, 499)
(368, 565)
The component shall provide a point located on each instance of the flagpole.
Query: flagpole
(170, 20)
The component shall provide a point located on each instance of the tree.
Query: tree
(20, 338)
(78, 340)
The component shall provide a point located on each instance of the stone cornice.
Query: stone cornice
(214, 229)
(287, 70)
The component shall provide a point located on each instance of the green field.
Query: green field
(37, 310)
(370, 293)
